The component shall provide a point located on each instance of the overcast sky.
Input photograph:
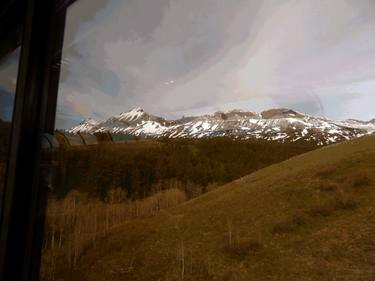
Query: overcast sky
(188, 57)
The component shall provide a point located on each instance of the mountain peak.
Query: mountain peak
(86, 125)
(136, 109)
(234, 114)
(235, 110)
(131, 115)
(89, 121)
(280, 113)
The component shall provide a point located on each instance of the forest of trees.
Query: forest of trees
(141, 168)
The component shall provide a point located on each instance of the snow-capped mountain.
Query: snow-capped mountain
(280, 124)
(88, 125)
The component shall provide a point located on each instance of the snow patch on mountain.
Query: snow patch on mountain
(131, 115)
(87, 125)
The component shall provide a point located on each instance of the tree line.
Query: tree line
(141, 168)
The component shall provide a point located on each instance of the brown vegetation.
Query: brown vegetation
(242, 247)
(77, 222)
(327, 186)
(275, 224)
(288, 224)
(361, 179)
(301, 219)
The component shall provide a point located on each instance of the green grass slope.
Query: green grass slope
(311, 217)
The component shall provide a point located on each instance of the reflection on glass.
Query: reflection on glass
(172, 121)
(8, 81)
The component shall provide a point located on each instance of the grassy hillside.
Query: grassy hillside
(311, 217)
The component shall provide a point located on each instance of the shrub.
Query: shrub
(361, 179)
(326, 173)
(341, 201)
(226, 276)
(326, 186)
(288, 225)
(322, 208)
(345, 201)
(241, 248)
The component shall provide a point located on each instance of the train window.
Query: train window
(211, 140)
(8, 81)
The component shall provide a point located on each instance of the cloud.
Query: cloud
(251, 54)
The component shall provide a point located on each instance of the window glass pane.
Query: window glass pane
(213, 140)
(8, 81)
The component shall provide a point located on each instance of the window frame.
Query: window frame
(23, 202)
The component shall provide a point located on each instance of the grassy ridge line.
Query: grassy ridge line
(279, 223)
(295, 164)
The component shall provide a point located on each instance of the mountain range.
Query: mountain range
(281, 124)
